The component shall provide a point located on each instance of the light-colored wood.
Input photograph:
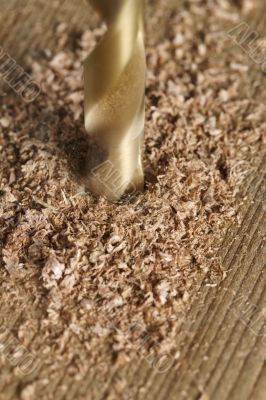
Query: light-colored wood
(222, 356)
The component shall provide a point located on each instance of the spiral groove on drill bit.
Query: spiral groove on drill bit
(114, 77)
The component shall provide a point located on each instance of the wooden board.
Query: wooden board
(221, 346)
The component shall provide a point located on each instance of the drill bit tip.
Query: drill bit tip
(114, 76)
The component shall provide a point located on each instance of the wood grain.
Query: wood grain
(222, 348)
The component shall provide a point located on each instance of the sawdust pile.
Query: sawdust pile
(95, 268)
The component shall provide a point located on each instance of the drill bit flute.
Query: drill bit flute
(114, 77)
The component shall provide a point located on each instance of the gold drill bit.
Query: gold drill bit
(114, 77)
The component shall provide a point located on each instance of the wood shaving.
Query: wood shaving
(96, 268)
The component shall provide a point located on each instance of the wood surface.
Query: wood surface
(222, 345)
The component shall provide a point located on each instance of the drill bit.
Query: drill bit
(114, 75)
